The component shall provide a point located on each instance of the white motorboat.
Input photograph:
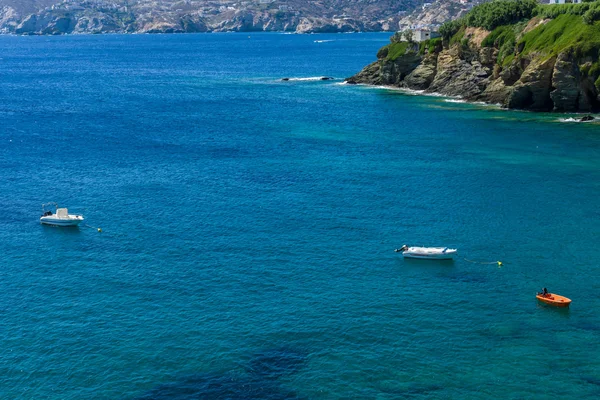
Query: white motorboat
(60, 217)
(429, 253)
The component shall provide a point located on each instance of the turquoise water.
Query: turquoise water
(248, 228)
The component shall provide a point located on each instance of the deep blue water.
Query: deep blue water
(248, 228)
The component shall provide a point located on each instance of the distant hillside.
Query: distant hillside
(437, 12)
(45, 17)
(27, 6)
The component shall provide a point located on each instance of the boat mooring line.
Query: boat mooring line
(484, 263)
(93, 227)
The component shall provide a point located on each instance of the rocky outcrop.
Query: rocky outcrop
(573, 91)
(28, 25)
(394, 72)
(9, 19)
(370, 74)
(565, 80)
(534, 82)
(460, 73)
(532, 90)
(422, 76)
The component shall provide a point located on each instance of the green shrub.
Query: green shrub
(591, 16)
(490, 16)
(507, 60)
(435, 45)
(504, 38)
(450, 28)
(458, 36)
(594, 70)
(565, 31)
(396, 50)
(396, 37)
(430, 45)
(500, 12)
(498, 36)
(554, 10)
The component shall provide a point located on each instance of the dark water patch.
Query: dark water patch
(219, 386)
(259, 382)
(414, 390)
(595, 385)
(593, 380)
(422, 390)
(273, 363)
(508, 331)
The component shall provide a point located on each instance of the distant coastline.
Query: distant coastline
(58, 17)
(184, 33)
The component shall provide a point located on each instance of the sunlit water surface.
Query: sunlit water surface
(248, 228)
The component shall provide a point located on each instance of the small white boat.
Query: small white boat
(429, 253)
(60, 217)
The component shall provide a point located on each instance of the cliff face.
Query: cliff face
(536, 81)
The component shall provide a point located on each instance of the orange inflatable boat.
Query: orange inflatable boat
(553, 299)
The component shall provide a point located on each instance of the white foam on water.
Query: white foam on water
(392, 88)
(477, 103)
(309, 78)
(571, 119)
(323, 41)
(447, 98)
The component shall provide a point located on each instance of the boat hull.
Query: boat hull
(554, 300)
(429, 257)
(61, 221)
(430, 253)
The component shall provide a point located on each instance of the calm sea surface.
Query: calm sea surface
(248, 228)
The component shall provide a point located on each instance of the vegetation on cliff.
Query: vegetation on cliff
(504, 38)
(514, 52)
(565, 31)
(491, 15)
(397, 49)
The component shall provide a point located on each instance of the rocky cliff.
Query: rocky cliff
(541, 64)
(44, 17)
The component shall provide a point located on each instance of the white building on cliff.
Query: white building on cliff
(421, 35)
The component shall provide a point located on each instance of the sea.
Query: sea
(240, 230)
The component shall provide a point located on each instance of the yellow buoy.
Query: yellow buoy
(99, 229)
(499, 263)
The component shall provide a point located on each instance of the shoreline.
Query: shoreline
(192, 33)
(567, 117)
